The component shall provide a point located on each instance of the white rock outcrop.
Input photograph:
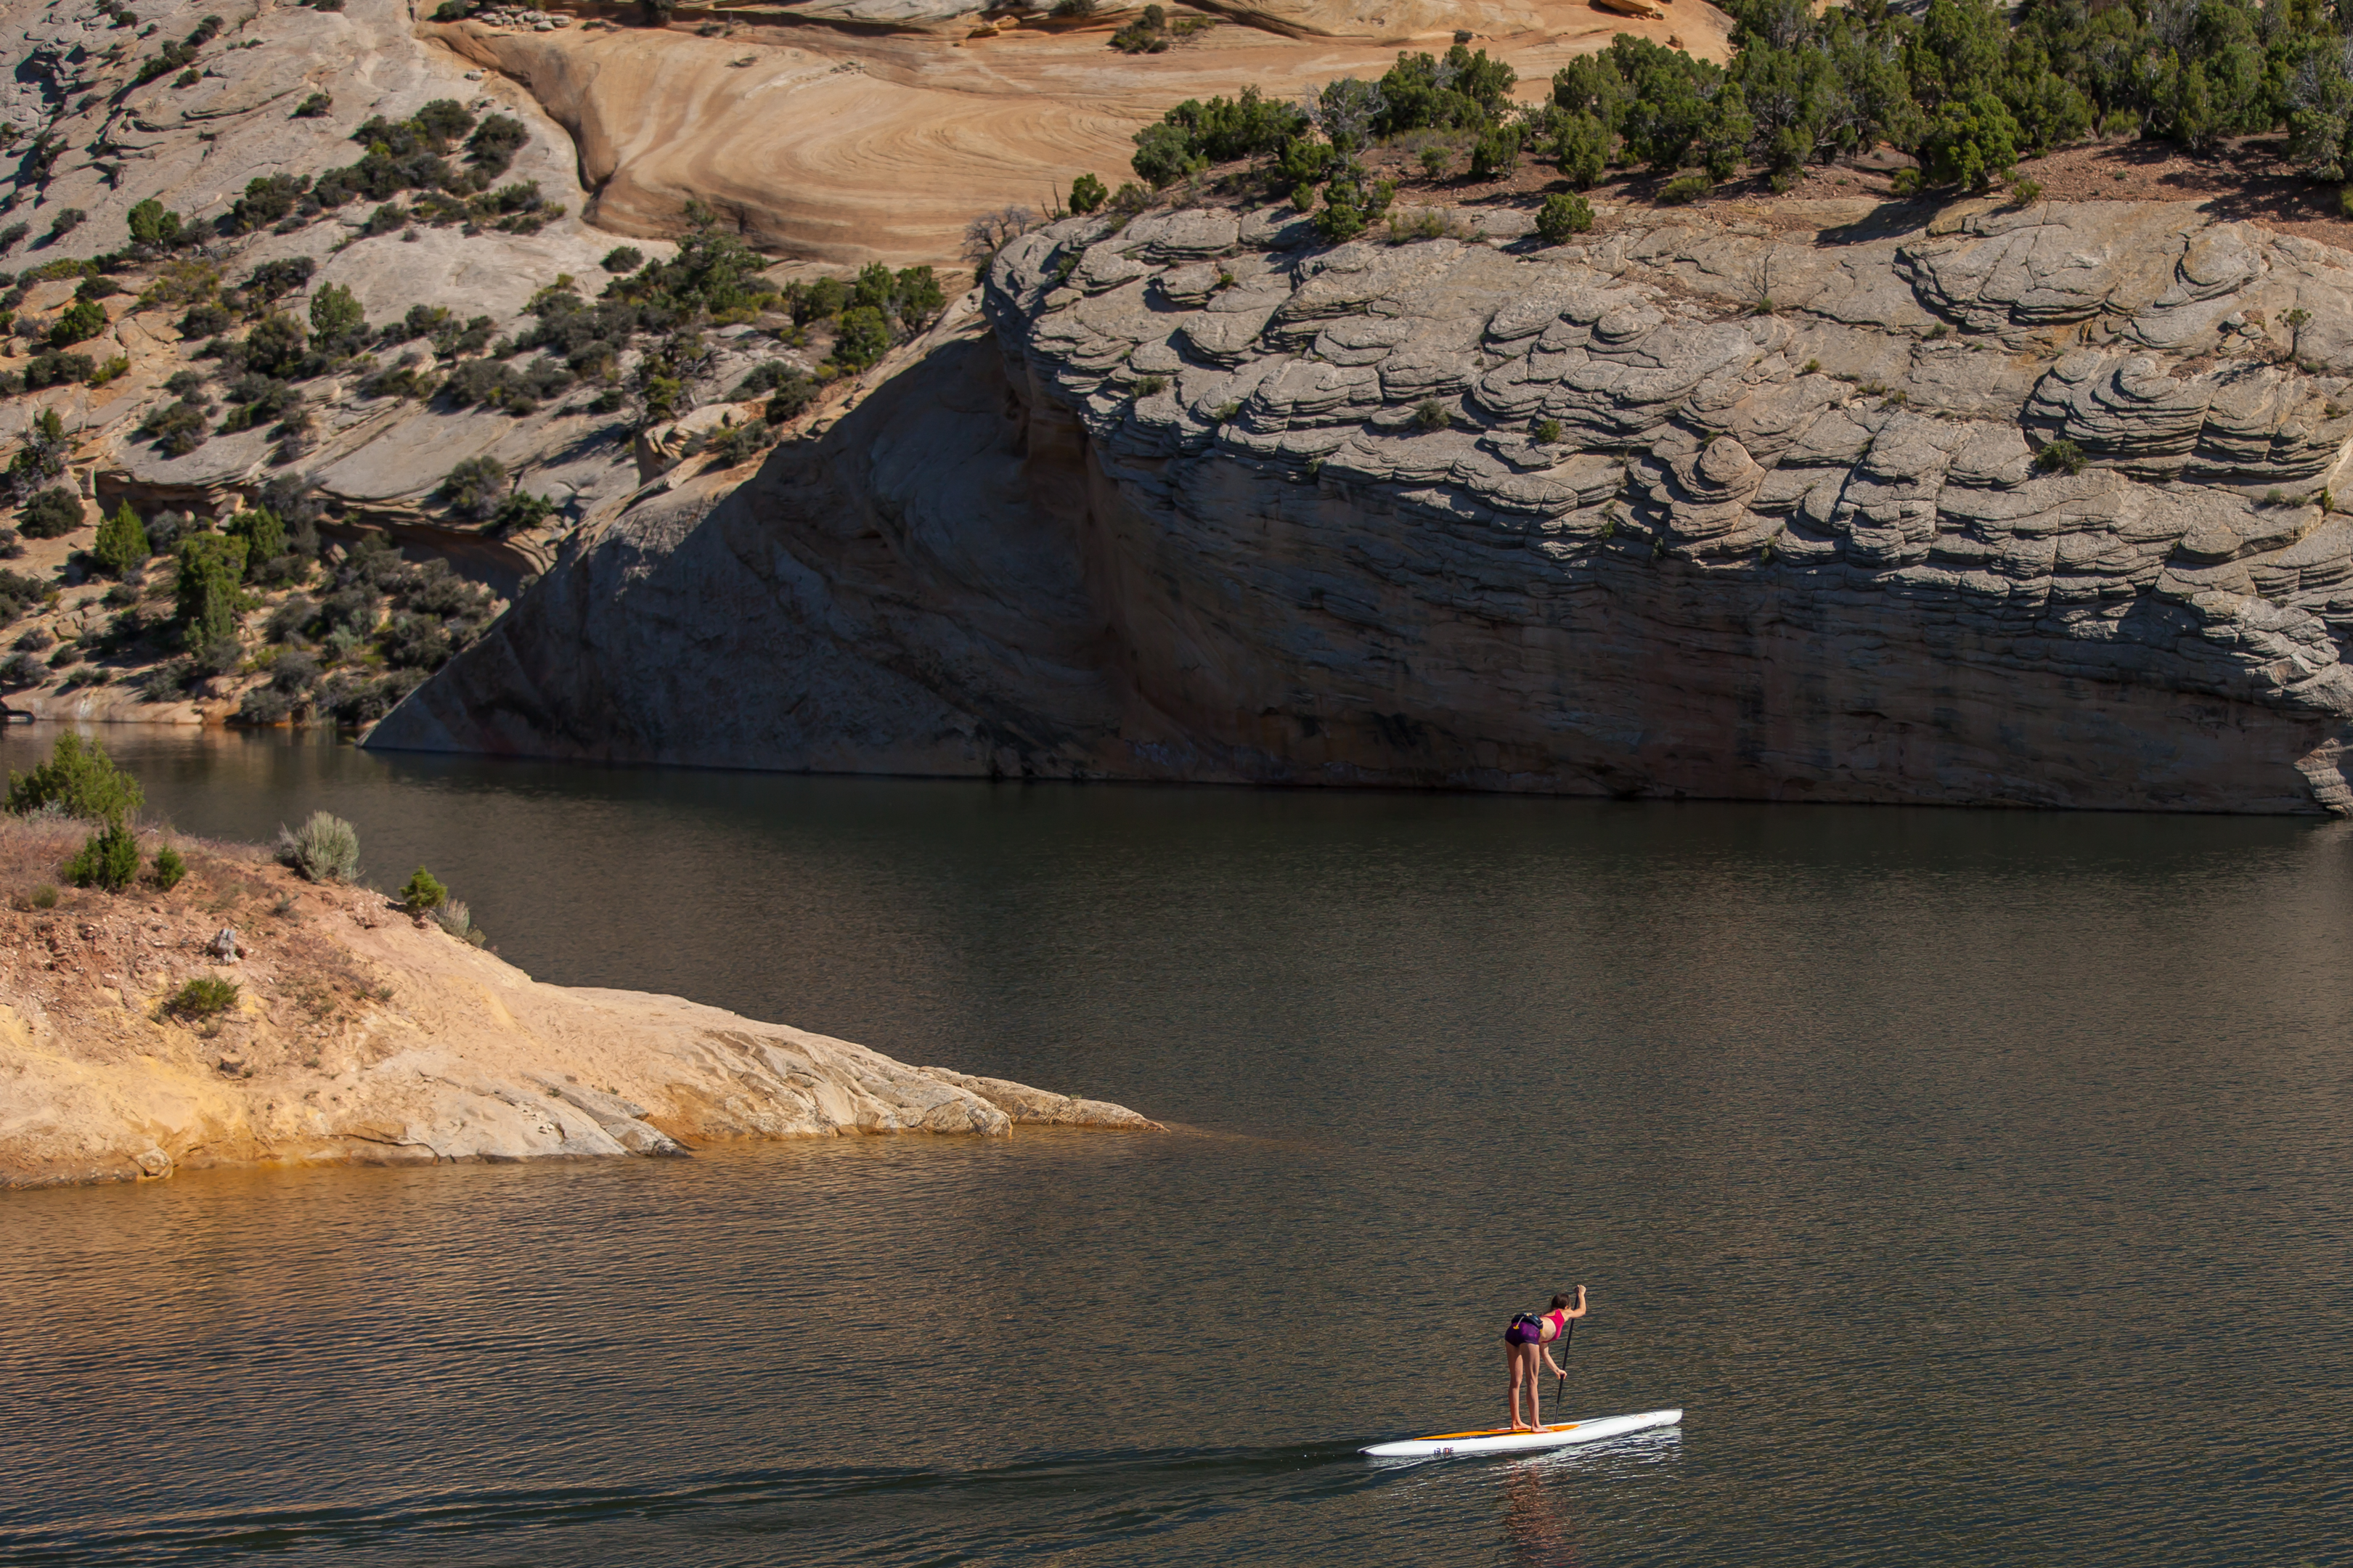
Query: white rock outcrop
(360, 1035)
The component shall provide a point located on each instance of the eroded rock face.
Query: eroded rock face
(1689, 510)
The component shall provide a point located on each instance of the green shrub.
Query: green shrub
(150, 223)
(51, 514)
(423, 891)
(275, 346)
(44, 896)
(1193, 136)
(521, 510)
(474, 487)
(1148, 35)
(1088, 195)
(121, 543)
(1340, 221)
(1432, 415)
(1684, 188)
(170, 868)
(2024, 193)
(623, 259)
(313, 107)
(79, 780)
(790, 400)
(82, 319)
(337, 318)
(1562, 216)
(1495, 153)
(1151, 385)
(177, 428)
(264, 533)
(1546, 432)
(107, 859)
(864, 338)
(2060, 456)
(1583, 145)
(205, 600)
(326, 848)
(203, 997)
(734, 444)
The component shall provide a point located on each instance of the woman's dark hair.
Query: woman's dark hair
(1560, 1301)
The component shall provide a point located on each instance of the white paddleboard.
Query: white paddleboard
(1504, 1440)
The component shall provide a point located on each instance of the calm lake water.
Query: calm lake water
(1976, 1182)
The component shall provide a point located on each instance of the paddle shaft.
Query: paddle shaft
(1560, 1390)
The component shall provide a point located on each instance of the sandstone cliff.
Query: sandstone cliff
(1696, 507)
(362, 1036)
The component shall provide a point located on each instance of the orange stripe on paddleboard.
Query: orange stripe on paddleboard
(1500, 1432)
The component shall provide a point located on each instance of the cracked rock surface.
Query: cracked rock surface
(2023, 506)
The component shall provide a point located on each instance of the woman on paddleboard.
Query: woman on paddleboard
(1529, 1339)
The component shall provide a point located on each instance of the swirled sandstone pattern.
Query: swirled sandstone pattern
(844, 146)
(1692, 509)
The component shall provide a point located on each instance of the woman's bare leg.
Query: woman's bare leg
(1536, 1386)
(1522, 1365)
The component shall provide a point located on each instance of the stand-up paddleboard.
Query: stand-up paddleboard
(1504, 1440)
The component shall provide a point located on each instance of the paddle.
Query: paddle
(1560, 1389)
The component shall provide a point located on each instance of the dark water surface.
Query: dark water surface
(1978, 1182)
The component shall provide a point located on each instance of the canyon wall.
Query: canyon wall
(2032, 507)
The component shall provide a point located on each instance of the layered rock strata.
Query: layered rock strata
(360, 1035)
(2032, 507)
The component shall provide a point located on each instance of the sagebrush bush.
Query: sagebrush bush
(203, 997)
(459, 921)
(1432, 415)
(325, 849)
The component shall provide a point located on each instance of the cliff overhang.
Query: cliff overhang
(2023, 506)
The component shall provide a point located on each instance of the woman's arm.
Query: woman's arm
(1579, 1310)
(1557, 1370)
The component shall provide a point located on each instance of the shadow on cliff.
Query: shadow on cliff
(867, 600)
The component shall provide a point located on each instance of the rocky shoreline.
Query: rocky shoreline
(362, 1035)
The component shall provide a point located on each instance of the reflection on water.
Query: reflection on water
(1975, 1181)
